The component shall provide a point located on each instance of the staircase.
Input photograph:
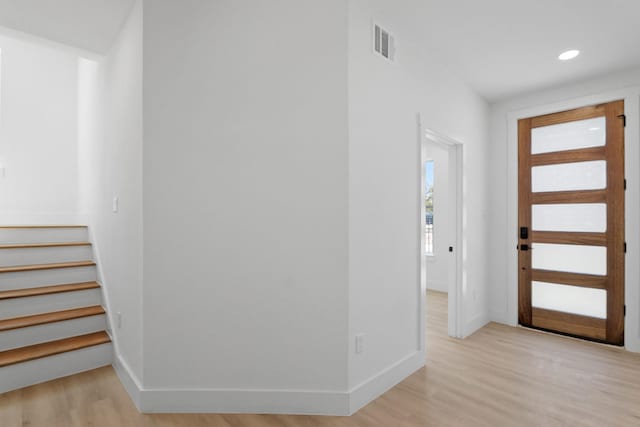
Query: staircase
(52, 323)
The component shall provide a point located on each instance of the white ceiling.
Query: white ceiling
(507, 47)
(500, 47)
(87, 24)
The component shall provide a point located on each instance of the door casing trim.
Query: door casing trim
(455, 148)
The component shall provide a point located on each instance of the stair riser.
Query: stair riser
(21, 375)
(51, 331)
(28, 256)
(43, 235)
(18, 307)
(59, 276)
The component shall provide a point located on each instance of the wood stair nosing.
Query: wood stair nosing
(43, 226)
(51, 348)
(42, 245)
(34, 267)
(47, 290)
(54, 316)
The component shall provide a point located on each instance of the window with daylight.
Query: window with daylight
(428, 206)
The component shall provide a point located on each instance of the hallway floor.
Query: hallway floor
(500, 376)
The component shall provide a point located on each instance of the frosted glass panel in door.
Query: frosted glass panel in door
(569, 299)
(569, 136)
(588, 217)
(569, 258)
(569, 176)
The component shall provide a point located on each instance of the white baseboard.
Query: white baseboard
(632, 344)
(128, 379)
(375, 386)
(474, 324)
(294, 402)
(500, 317)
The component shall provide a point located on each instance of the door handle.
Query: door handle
(524, 247)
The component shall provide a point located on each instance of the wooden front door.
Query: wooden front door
(571, 222)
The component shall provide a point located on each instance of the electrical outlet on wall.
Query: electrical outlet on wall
(116, 204)
(119, 320)
(359, 343)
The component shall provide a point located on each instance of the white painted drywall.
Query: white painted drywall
(502, 265)
(437, 267)
(245, 196)
(38, 142)
(384, 179)
(110, 152)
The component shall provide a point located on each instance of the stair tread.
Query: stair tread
(54, 316)
(41, 245)
(32, 267)
(43, 226)
(37, 351)
(47, 290)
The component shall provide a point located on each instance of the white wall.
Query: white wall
(38, 142)
(437, 268)
(384, 179)
(503, 277)
(245, 200)
(110, 148)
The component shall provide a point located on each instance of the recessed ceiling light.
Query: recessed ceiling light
(570, 54)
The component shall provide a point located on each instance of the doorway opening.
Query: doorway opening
(441, 223)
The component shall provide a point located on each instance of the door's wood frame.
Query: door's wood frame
(569, 238)
(615, 222)
(611, 330)
(524, 217)
(573, 279)
(585, 326)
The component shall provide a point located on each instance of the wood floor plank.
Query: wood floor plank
(38, 351)
(55, 316)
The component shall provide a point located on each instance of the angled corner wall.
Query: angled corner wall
(245, 206)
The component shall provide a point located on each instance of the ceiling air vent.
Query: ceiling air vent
(383, 42)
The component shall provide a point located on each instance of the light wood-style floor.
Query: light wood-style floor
(500, 376)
